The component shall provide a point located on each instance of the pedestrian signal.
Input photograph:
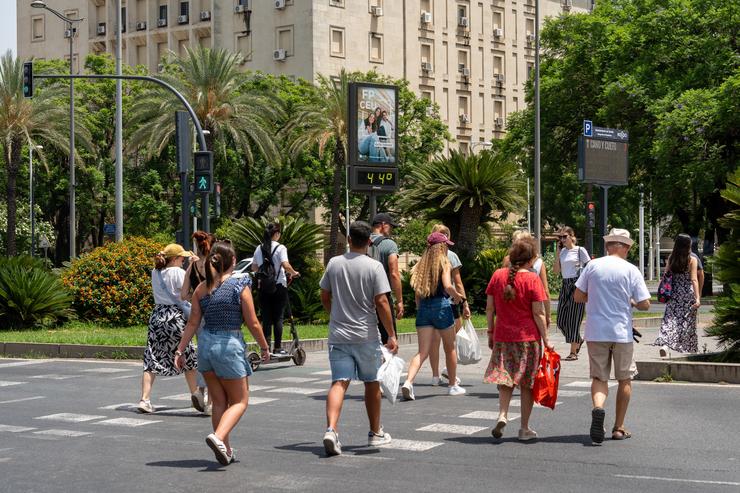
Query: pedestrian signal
(203, 171)
(591, 215)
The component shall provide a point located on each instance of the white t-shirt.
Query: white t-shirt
(611, 282)
(173, 278)
(280, 256)
(537, 266)
(569, 261)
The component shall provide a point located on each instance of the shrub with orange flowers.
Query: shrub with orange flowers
(112, 284)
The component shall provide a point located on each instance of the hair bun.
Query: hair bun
(215, 259)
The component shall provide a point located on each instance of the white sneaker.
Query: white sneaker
(332, 446)
(456, 390)
(408, 392)
(435, 381)
(446, 376)
(198, 400)
(663, 351)
(219, 449)
(378, 439)
(145, 406)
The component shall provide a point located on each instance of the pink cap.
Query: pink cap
(438, 237)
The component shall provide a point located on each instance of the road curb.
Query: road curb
(689, 371)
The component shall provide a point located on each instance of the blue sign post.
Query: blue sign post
(588, 128)
(109, 229)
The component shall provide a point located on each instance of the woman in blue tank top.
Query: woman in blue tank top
(225, 302)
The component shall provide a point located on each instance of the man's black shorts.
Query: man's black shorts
(381, 329)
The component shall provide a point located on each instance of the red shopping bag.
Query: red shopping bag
(546, 381)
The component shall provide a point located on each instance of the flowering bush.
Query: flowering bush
(112, 284)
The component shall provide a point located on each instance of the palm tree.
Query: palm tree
(469, 188)
(320, 123)
(211, 82)
(43, 118)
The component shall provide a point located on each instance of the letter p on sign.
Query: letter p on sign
(588, 128)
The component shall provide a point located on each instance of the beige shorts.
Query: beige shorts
(601, 354)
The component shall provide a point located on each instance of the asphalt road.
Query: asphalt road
(68, 426)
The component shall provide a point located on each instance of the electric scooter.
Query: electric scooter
(294, 352)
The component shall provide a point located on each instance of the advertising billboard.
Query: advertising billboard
(373, 124)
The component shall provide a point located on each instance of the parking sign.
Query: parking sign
(588, 128)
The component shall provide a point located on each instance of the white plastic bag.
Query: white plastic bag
(468, 345)
(389, 374)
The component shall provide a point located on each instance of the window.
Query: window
(336, 42)
(462, 60)
(426, 8)
(426, 54)
(376, 47)
(516, 104)
(244, 46)
(530, 26)
(482, 105)
(530, 70)
(337, 3)
(163, 12)
(498, 111)
(184, 8)
(428, 95)
(498, 20)
(516, 25)
(123, 19)
(284, 39)
(498, 65)
(37, 28)
(445, 59)
(463, 109)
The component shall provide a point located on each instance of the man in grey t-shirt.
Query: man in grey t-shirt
(353, 289)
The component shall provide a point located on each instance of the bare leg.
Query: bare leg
(217, 394)
(599, 392)
(334, 402)
(624, 392)
(434, 355)
(448, 342)
(237, 395)
(191, 377)
(504, 398)
(425, 336)
(372, 405)
(147, 380)
(527, 402)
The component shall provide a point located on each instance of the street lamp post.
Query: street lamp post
(481, 143)
(537, 185)
(39, 4)
(119, 129)
(30, 194)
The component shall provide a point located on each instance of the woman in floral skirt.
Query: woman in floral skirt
(516, 300)
(678, 328)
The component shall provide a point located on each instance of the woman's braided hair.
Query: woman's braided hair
(521, 252)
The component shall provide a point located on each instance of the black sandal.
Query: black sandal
(578, 350)
(571, 357)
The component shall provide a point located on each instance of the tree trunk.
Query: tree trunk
(335, 201)
(13, 165)
(469, 222)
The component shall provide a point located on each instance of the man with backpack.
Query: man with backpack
(270, 264)
(385, 251)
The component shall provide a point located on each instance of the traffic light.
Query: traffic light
(28, 80)
(204, 172)
(591, 215)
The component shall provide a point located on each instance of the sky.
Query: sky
(8, 26)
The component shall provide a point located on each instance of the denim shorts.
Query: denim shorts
(355, 361)
(435, 312)
(223, 352)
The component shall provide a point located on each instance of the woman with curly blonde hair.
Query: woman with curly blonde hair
(432, 283)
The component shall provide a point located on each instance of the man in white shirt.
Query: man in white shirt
(610, 286)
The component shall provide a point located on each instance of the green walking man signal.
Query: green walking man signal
(28, 80)
(203, 171)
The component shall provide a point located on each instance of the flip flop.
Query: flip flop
(571, 357)
(620, 434)
(579, 347)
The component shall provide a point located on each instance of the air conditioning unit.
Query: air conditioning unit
(426, 17)
(426, 66)
(280, 4)
(464, 118)
(500, 78)
(530, 38)
(498, 121)
(376, 11)
(141, 26)
(498, 32)
(567, 4)
(161, 22)
(462, 21)
(465, 72)
(205, 15)
(279, 55)
(240, 9)
(101, 29)
(182, 19)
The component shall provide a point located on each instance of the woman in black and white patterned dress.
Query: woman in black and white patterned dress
(568, 262)
(678, 328)
(166, 325)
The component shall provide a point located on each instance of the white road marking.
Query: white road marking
(15, 429)
(22, 363)
(322, 372)
(488, 415)
(106, 370)
(23, 399)
(587, 384)
(454, 429)
(177, 397)
(677, 480)
(70, 417)
(187, 411)
(294, 379)
(130, 422)
(5, 459)
(124, 406)
(411, 445)
(126, 376)
(62, 433)
(260, 400)
(54, 376)
(518, 403)
(297, 390)
(257, 388)
(4, 383)
(572, 393)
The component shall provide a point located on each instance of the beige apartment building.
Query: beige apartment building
(471, 57)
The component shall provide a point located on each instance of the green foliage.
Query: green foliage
(726, 265)
(301, 238)
(112, 284)
(554, 281)
(305, 295)
(30, 295)
(412, 236)
(409, 298)
(23, 227)
(477, 272)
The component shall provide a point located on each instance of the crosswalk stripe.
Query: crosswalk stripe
(587, 384)
(454, 429)
(124, 406)
(186, 411)
(23, 399)
(411, 445)
(260, 400)
(54, 376)
(22, 363)
(488, 415)
(130, 422)
(176, 397)
(4, 383)
(572, 393)
(62, 433)
(106, 370)
(518, 403)
(70, 417)
(15, 429)
(126, 376)
(322, 372)
(293, 379)
(257, 388)
(297, 390)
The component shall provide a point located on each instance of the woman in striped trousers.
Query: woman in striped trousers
(568, 262)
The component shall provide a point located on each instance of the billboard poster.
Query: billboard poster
(373, 118)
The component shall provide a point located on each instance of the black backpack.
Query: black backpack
(266, 275)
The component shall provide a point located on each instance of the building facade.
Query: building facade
(471, 57)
